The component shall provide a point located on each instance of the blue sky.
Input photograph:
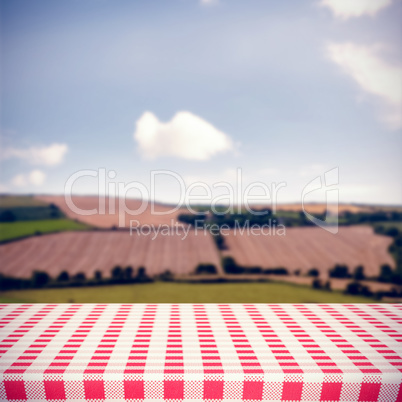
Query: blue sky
(283, 90)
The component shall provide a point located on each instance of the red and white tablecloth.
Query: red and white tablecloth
(271, 352)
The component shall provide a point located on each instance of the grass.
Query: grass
(15, 230)
(169, 292)
(27, 208)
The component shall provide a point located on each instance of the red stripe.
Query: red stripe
(37, 349)
(365, 336)
(308, 343)
(73, 344)
(244, 349)
(94, 366)
(352, 354)
(208, 345)
(139, 349)
(174, 344)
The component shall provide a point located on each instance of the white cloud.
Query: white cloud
(19, 181)
(47, 155)
(345, 9)
(208, 2)
(35, 177)
(186, 136)
(374, 75)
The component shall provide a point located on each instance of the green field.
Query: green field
(15, 230)
(14, 201)
(164, 292)
(389, 224)
(15, 208)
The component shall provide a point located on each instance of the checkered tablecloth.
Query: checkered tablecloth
(271, 352)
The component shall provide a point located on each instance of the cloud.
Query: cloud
(345, 9)
(47, 155)
(374, 75)
(19, 181)
(35, 177)
(208, 2)
(186, 136)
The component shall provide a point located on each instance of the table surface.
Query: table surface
(273, 352)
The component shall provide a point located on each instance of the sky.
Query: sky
(211, 90)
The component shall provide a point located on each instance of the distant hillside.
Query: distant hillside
(147, 217)
(109, 220)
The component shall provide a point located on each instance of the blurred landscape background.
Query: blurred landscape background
(274, 127)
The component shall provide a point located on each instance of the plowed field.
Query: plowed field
(312, 247)
(160, 215)
(88, 252)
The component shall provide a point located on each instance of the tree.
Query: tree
(55, 211)
(386, 273)
(339, 271)
(141, 271)
(356, 288)
(280, 271)
(98, 275)
(80, 277)
(220, 241)
(393, 232)
(365, 291)
(166, 276)
(40, 279)
(142, 275)
(7, 216)
(205, 269)
(128, 272)
(353, 288)
(276, 271)
(230, 266)
(358, 273)
(313, 272)
(117, 272)
(63, 277)
(253, 270)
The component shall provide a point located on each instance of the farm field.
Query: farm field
(318, 208)
(15, 208)
(336, 283)
(108, 220)
(15, 230)
(111, 219)
(16, 201)
(88, 252)
(160, 292)
(389, 224)
(312, 247)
